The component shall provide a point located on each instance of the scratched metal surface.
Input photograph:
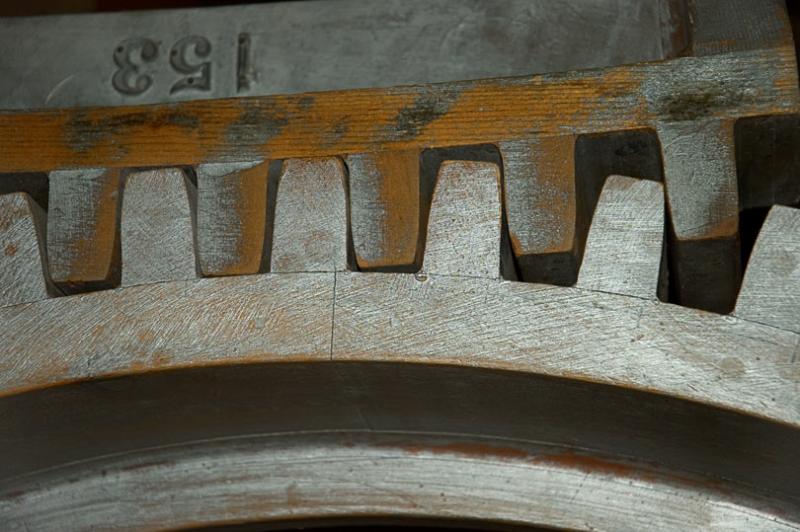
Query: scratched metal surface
(314, 392)
(412, 354)
(149, 57)
(291, 477)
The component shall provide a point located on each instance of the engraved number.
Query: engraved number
(129, 78)
(198, 74)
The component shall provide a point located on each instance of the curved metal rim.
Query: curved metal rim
(368, 477)
(574, 333)
(203, 445)
(471, 360)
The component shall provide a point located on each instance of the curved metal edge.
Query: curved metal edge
(566, 332)
(54, 437)
(357, 477)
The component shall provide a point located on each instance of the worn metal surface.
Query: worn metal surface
(157, 228)
(83, 246)
(287, 479)
(22, 254)
(307, 391)
(385, 208)
(292, 47)
(311, 217)
(770, 291)
(700, 182)
(464, 223)
(539, 178)
(231, 217)
(625, 242)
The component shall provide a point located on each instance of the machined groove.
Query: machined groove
(288, 479)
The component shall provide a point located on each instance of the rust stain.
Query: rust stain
(259, 121)
(591, 464)
(541, 170)
(10, 250)
(306, 102)
(556, 198)
(293, 498)
(334, 135)
(98, 331)
(516, 244)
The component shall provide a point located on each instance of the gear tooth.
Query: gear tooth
(384, 208)
(231, 217)
(156, 229)
(626, 238)
(540, 201)
(23, 277)
(310, 229)
(770, 291)
(82, 229)
(702, 194)
(464, 225)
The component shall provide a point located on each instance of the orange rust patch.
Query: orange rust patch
(10, 250)
(590, 464)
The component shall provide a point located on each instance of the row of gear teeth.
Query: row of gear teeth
(171, 224)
